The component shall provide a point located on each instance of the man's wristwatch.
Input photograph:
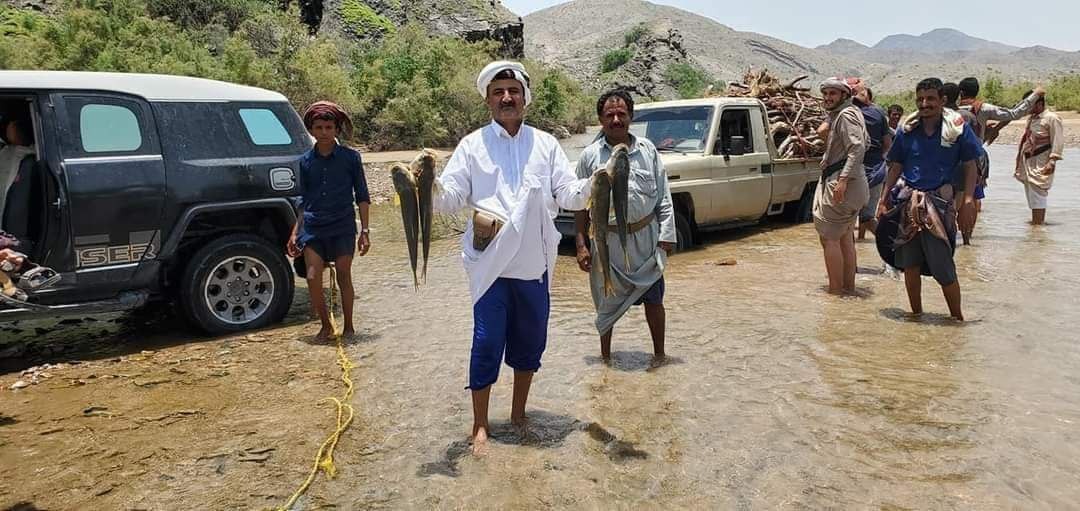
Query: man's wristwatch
(365, 230)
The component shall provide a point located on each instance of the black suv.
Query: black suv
(149, 187)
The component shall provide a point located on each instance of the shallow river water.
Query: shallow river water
(777, 395)
(780, 396)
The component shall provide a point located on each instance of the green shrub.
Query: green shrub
(635, 34)
(688, 79)
(196, 14)
(406, 90)
(615, 59)
(362, 20)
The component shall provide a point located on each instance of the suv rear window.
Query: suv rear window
(108, 128)
(264, 127)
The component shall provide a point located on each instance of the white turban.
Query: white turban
(836, 83)
(488, 75)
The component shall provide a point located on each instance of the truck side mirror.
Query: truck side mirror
(738, 146)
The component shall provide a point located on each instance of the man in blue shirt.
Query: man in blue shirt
(331, 180)
(926, 153)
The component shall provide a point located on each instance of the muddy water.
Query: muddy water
(778, 396)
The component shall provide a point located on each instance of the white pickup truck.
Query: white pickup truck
(723, 167)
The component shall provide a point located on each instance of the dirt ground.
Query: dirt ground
(130, 412)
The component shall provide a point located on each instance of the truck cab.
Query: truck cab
(723, 167)
(152, 187)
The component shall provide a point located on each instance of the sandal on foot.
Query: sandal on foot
(37, 278)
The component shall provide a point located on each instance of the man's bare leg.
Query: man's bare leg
(315, 266)
(913, 283)
(870, 225)
(605, 345)
(851, 262)
(1038, 216)
(522, 383)
(834, 265)
(952, 298)
(656, 317)
(343, 266)
(480, 420)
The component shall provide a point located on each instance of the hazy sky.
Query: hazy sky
(808, 23)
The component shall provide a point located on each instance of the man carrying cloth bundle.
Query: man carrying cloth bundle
(842, 190)
(514, 178)
(1041, 147)
(918, 233)
(652, 227)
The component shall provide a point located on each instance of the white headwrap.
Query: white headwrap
(836, 83)
(488, 75)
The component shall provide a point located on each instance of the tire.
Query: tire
(802, 210)
(249, 266)
(684, 234)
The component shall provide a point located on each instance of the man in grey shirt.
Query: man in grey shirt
(652, 227)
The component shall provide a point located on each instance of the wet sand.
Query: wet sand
(778, 396)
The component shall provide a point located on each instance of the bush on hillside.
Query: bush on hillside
(615, 59)
(688, 79)
(635, 34)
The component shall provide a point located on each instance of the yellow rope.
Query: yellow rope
(324, 458)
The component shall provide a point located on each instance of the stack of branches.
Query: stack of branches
(794, 114)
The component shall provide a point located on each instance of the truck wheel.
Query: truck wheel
(235, 283)
(684, 235)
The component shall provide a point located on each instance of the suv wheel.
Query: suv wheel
(235, 283)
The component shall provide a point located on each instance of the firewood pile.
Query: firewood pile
(794, 114)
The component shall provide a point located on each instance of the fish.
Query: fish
(423, 167)
(619, 169)
(406, 187)
(599, 210)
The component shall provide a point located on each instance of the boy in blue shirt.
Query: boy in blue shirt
(331, 181)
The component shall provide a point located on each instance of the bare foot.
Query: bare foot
(657, 361)
(480, 442)
(324, 335)
(521, 427)
(605, 358)
(349, 333)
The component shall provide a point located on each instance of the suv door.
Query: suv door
(744, 176)
(115, 179)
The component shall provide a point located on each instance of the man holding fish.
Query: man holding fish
(511, 178)
(627, 258)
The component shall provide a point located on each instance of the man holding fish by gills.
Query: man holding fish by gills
(513, 178)
(626, 269)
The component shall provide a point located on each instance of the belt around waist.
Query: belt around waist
(1038, 150)
(834, 168)
(637, 226)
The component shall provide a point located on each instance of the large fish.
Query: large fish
(423, 167)
(619, 169)
(405, 184)
(599, 209)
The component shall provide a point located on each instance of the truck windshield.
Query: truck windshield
(678, 129)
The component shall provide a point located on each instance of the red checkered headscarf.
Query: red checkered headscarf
(326, 110)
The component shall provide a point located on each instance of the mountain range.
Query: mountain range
(576, 35)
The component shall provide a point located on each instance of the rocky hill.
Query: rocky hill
(576, 35)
